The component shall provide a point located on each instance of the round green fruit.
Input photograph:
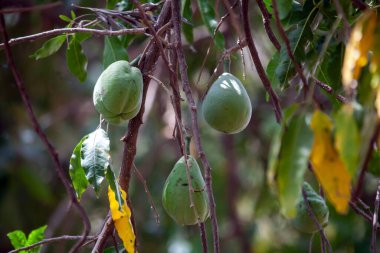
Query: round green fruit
(303, 222)
(175, 196)
(227, 107)
(118, 92)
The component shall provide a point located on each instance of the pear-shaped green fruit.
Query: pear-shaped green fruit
(118, 92)
(303, 222)
(227, 107)
(175, 196)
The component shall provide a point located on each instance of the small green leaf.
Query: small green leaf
(112, 181)
(96, 157)
(187, 13)
(292, 163)
(18, 239)
(76, 171)
(271, 70)
(76, 59)
(73, 16)
(35, 236)
(113, 51)
(208, 17)
(347, 138)
(65, 18)
(111, 4)
(80, 37)
(49, 47)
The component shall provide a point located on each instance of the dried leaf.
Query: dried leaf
(122, 220)
(328, 166)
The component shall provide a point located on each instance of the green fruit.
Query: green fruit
(175, 196)
(303, 222)
(226, 106)
(118, 92)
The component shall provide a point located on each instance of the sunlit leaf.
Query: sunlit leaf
(327, 165)
(113, 51)
(76, 171)
(49, 47)
(122, 220)
(65, 18)
(359, 44)
(96, 157)
(18, 239)
(292, 163)
(35, 236)
(208, 17)
(76, 59)
(347, 138)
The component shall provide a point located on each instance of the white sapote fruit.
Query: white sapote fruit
(118, 92)
(227, 107)
(175, 196)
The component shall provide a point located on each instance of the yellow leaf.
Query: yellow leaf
(359, 44)
(122, 220)
(327, 165)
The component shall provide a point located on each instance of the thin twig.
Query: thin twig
(315, 221)
(54, 239)
(374, 220)
(256, 60)
(33, 37)
(194, 120)
(328, 89)
(40, 7)
(37, 128)
(107, 229)
(146, 189)
(365, 163)
(266, 20)
(341, 14)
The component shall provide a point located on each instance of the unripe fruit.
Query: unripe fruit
(118, 92)
(175, 196)
(227, 107)
(303, 222)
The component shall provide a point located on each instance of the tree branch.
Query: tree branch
(37, 128)
(33, 37)
(194, 121)
(256, 60)
(266, 20)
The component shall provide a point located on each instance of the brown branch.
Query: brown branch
(315, 221)
(107, 230)
(134, 125)
(231, 192)
(266, 20)
(31, 8)
(37, 128)
(285, 38)
(33, 37)
(364, 167)
(54, 239)
(330, 90)
(256, 60)
(374, 220)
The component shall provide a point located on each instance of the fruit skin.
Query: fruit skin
(303, 222)
(227, 107)
(118, 92)
(175, 196)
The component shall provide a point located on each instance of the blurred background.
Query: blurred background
(31, 195)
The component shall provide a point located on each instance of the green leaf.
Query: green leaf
(65, 18)
(113, 51)
(35, 236)
(76, 171)
(331, 65)
(284, 7)
(76, 59)
(49, 47)
(96, 157)
(73, 15)
(112, 181)
(80, 37)
(271, 70)
(111, 4)
(347, 138)
(187, 13)
(18, 239)
(292, 163)
(208, 17)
